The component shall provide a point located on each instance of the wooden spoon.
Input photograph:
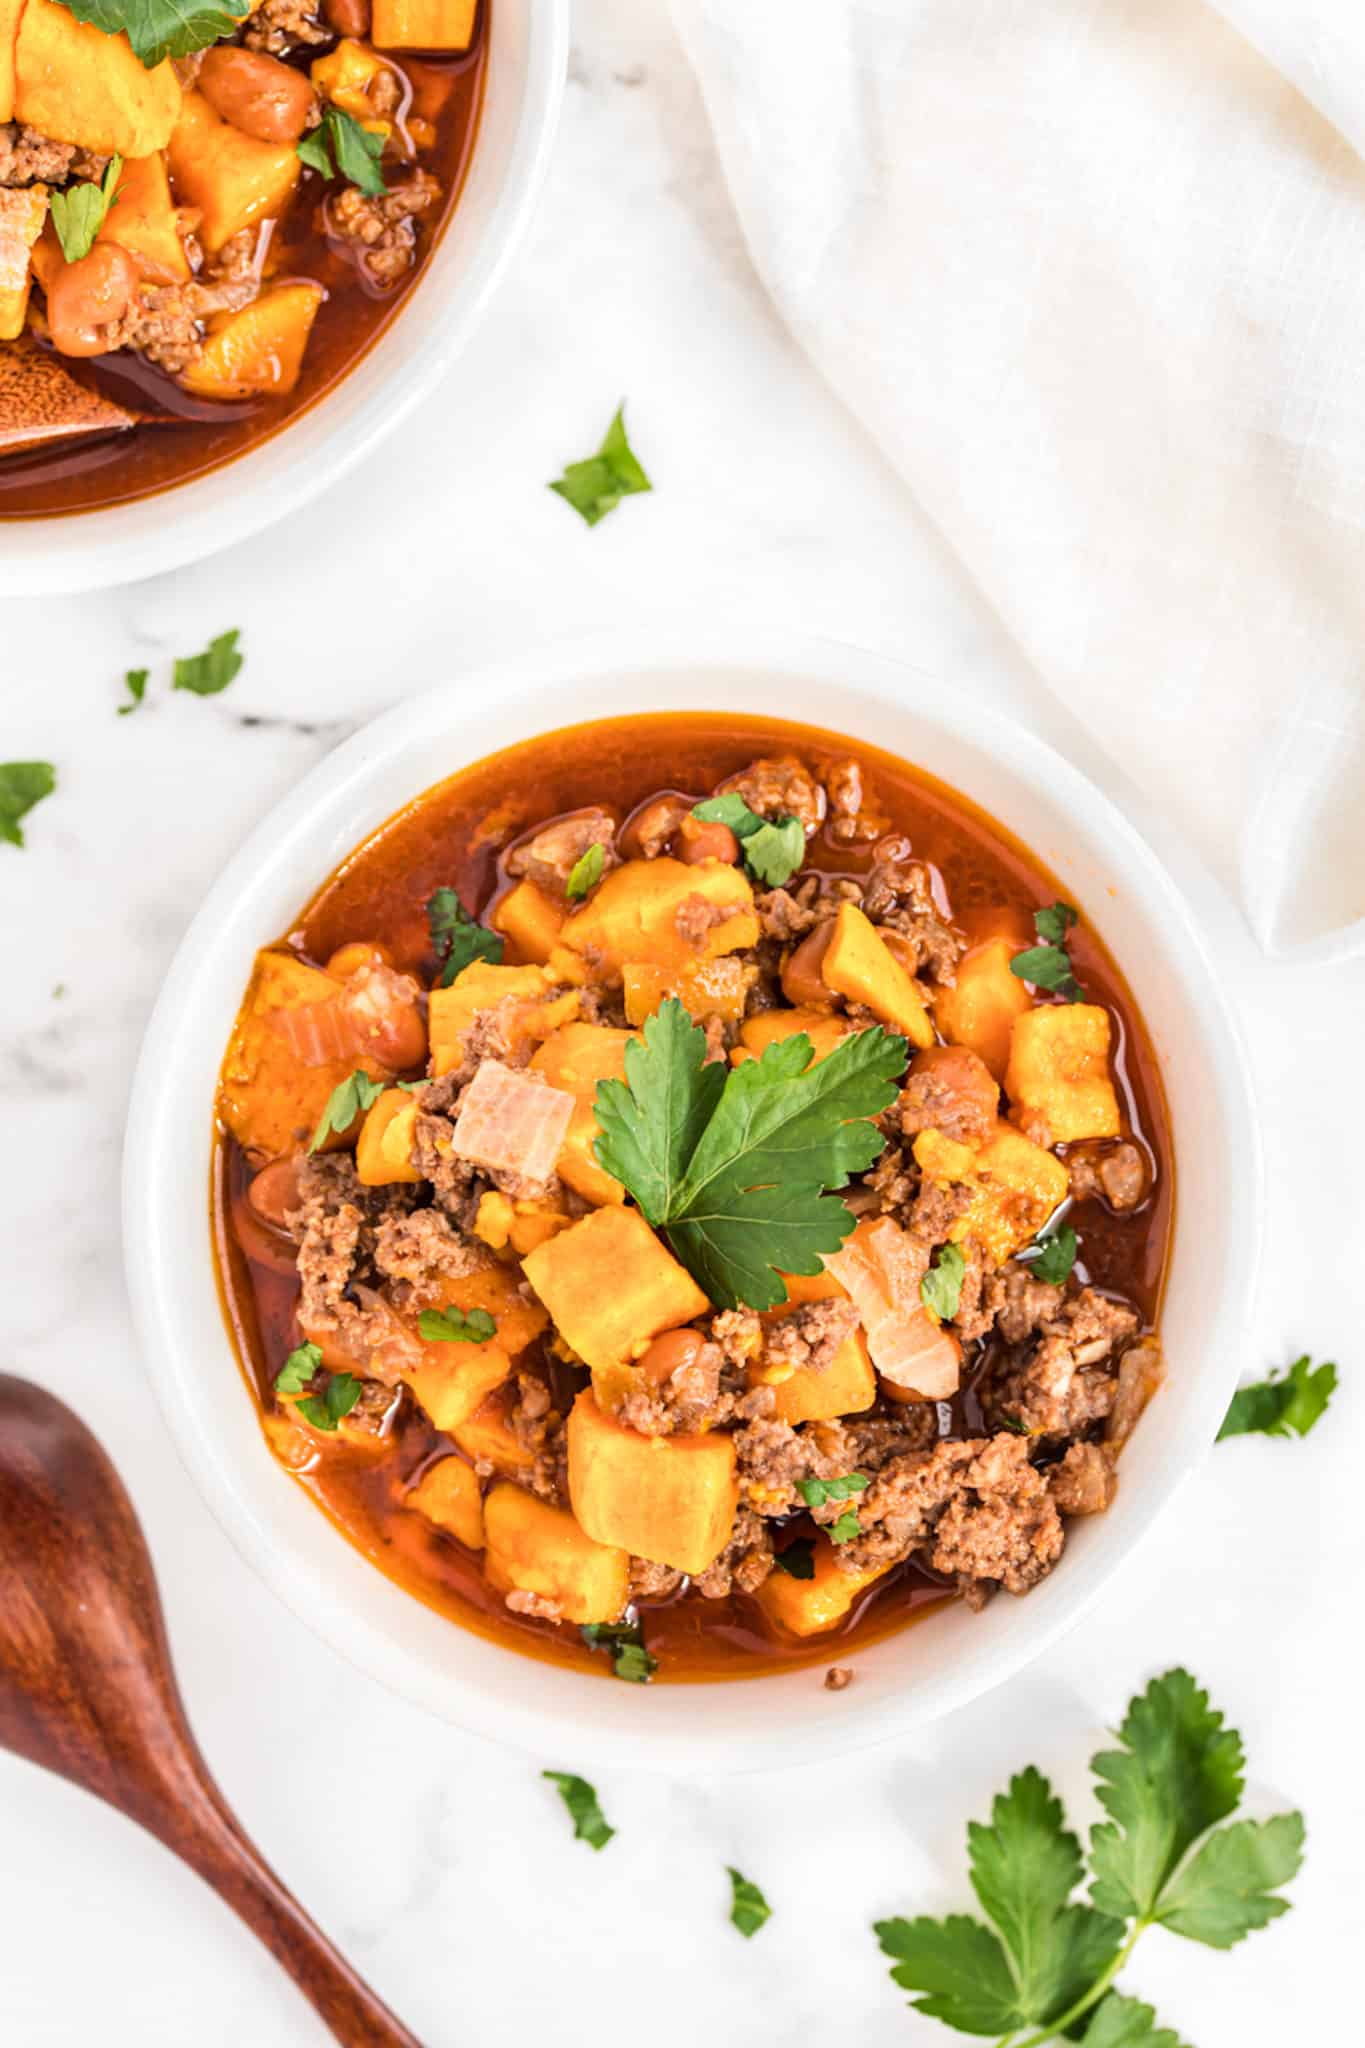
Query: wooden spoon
(87, 1690)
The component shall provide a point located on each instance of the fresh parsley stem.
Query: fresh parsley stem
(1083, 2004)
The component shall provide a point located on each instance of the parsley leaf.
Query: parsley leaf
(22, 785)
(453, 1326)
(773, 849)
(589, 1822)
(348, 1100)
(1283, 1405)
(208, 673)
(78, 211)
(749, 1910)
(586, 872)
(797, 1560)
(733, 1166)
(846, 1528)
(135, 682)
(162, 28)
(326, 1410)
(959, 1966)
(1224, 1892)
(597, 486)
(1056, 1255)
(625, 1643)
(1048, 966)
(815, 1492)
(1120, 2022)
(941, 1287)
(1178, 1772)
(341, 146)
(298, 1369)
(457, 938)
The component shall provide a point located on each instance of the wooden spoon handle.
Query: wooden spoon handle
(226, 1859)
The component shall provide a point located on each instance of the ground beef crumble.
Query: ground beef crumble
(380, 234)
(28, 158)
(976, 1511)
(279, 26)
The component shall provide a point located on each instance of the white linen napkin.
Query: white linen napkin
(1092, 272)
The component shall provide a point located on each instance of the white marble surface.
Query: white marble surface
(445, 1866)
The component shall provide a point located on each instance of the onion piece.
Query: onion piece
(512, 1122)
(881, 1266)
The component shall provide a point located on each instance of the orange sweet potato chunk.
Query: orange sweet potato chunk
(489, 1439)
(267, 1098)
(1059, 1068)
(423, 24)
(232, 178)
(448, 1494)
(257, 352)
(859, 965)
(807, 1607)
(980, 1009)
(634, 916)
(453, 1380)
(576, 1058)
(611, 1286)
(142, 221)
(10, 10)
(534, 1548)
(769, 1027)
(73, 83)
(530, 920)
(383, 1152)
(671, 1499)
(847, 1385)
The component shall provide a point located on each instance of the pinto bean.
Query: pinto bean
(87, 298)
(699, 839)
(647, 831)
(274, 1191)
(260, 96)
(355, 954)
(802, 981)
(348, 17)
(670, 1353)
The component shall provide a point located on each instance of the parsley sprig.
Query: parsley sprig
(589, 1821)
(773, 848)
(1042, 1965)
(941, 1287)
(78, 211)
(348, 1100)
(1048, 964)
(1051, 1256)
(22, 785)
(735, 1166)
(624, 1642)
(586, 872)
(208, 673)
(333, 1404)
(749, 1910)
(454, 1326)
(342, 147)
(1284, 1404)
(596, 486)
(457, 938)
(162, 28)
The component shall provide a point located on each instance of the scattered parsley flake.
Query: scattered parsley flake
(815, 1492)
(1048, 966)
(78, 211)
(455, 1326)
(326, 1410)
(1053, 1255)
(299, 1369)
(589, 1822)
(162, 28)
(208, 673)
(457, 938)
(797, 1560)
(597, 486)
(846, 1528)
(773, 848)
(941, 1287)
(341, 146)
(22, 785)
(735, 1166)
(749, 1910)
(1285, 1404)
(586, 872)
(135, 683)
(348, 1100)
(625, 1643)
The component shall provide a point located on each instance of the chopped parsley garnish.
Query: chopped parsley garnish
(815, 1492)
(1048, 964)
(1013, 1423)
(773, 848)
(162, 28)
(457, 938)
(327, 1409)
(941, 1287)
(586, 872)
(135, 683)
(22, 785)
(748, 1907)
(454, 1326)
(734, 1165)
(624, 1641)
(1285, 1404)
(1045, 1962)
(797, 1560)
(348, 1100)
(589, 1822)
(597, 486)
(1053, 1255)
(341, 146)
(298, 1370)
(78, 211)
(208, 673)
(846, 1528)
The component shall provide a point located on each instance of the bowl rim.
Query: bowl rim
(315, 823)
(61, 553)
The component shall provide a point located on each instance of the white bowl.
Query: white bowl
(927, 1670)
(524, 83)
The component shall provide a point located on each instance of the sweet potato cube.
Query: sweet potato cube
(424, 24)
(611, 1286)
(511, 1122)
(1059, 1068)
(448, 1494)
(73, 83)
(22, 213)
(859, 964)
(10, 10)
(495, 1288)
(534, 1548)
(383, 1152)
(671, 1499)
(142, 221)
(480, 986)
(577, 1057)
(267, 1098)
(1016, 1186)
(528, 917)
(650, 911)
(845, 1387)
(489, 1439)
(257, 352)
(980, 1009)
(769, 1027)
(453, 1380)
(347, 76)
(712, 988)
(232, 178)
(807, 1607)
